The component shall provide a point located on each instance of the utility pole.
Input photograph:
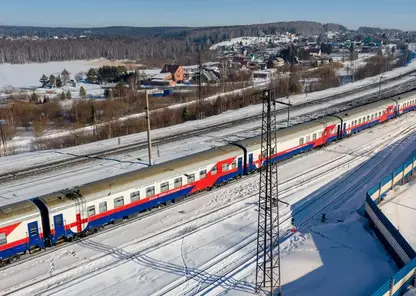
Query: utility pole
(199, 108)
(2, 139)
(379, 86)
(268, 236)
(288, 109)
(149, 140)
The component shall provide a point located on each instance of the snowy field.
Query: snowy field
(28, 75)
(206, 246)
(399, 206)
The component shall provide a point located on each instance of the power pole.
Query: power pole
(268, 259)
(199, 109)
(2, 139)
(149, 140)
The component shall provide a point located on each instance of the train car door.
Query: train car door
(250, 161)
(240, 166)
(58, 221)
(33, 231)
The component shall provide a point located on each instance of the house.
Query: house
(169, 76)
(175, 70)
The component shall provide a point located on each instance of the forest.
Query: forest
(153, 45)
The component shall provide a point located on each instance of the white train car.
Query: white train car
(20, 230)
(93, 205)
(366, 116)
(406, 103)
(293, 140)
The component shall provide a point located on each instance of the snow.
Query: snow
(399, 206)
(229, 116)
(410, 292)
(250, 40)
(206, 246)
(28, 75)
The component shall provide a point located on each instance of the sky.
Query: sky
(97, 13)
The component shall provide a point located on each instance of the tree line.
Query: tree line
(153, 50)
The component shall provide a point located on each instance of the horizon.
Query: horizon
(185, 13)
(201, 26)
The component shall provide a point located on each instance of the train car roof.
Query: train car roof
(16, 211)
(406, 97)
(346, 115)
(141, 177)
(294, 131)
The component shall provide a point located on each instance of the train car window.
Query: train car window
(58, 220)
(191, 178)
(308, 139)
(363, 119)
(118, 202)
(135, 196)
(202, 174)
(301, 141)
(3, 239)
(178, 182)
(368, 118)
(359, 121)
(150, 191)
(372, 116)
(164, 187)
(214, 171)
(234, 164)
(33, 229)
(379, 114)
(225, 167)
(91, 211)
(102, 207)
(314, 137)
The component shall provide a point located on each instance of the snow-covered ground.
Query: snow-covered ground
(27, 75)
(207, 246)
(118, 164)
(24, 142)
(250, 40)
(399, 206)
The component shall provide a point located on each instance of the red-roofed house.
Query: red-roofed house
(169, 76)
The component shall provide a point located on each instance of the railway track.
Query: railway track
(244, 255)
(122, 255)
(104, 155)
(287, 185)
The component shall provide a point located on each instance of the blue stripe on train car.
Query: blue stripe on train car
(10, 252)
(367, 125)
(293, 152)
(136, 209)
(226, 178)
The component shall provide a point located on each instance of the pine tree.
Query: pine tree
(65, 76)
(68, 95)
(52, 80)
(62, 96)
(58, 82)
(82, 92)
(34, 97)
(44, 80)
(91, 75)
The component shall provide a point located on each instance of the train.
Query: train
(48, 220)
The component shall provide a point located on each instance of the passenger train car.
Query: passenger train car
(64, 215)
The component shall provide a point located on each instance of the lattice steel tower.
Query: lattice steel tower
(268, 249)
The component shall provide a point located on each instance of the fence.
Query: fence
(402, 253)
